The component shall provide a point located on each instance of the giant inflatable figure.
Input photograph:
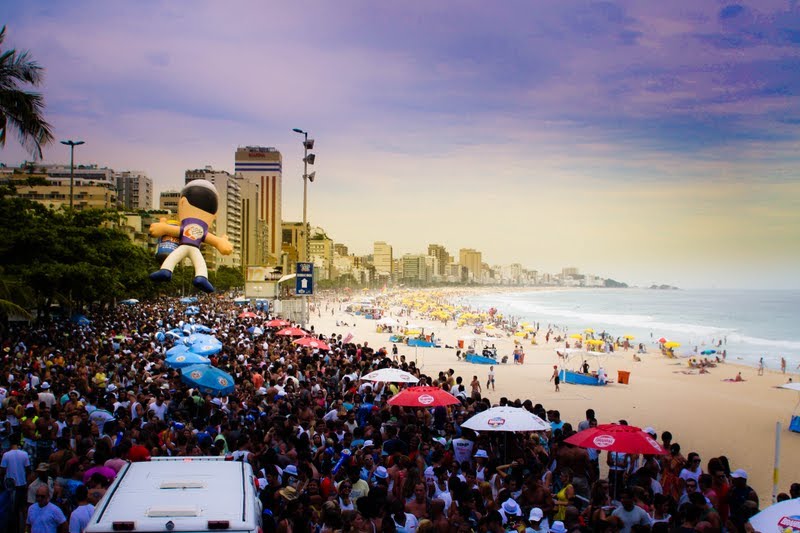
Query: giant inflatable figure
(197, 210)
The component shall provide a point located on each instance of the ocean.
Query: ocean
(751, 323)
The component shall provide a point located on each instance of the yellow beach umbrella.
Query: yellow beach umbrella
(520, 334)
(594, 341)
(576, 336)
(629, 337)
(671, 344)
(588, 330)
(413, 332)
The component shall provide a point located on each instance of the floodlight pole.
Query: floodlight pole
(72, 144)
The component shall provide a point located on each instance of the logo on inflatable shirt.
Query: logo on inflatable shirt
(425, 399)
(496, 421)
(604, 441)
(193, 231)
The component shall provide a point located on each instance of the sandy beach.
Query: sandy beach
(704, 413)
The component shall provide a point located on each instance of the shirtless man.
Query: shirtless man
(419, 505)
(577, 460)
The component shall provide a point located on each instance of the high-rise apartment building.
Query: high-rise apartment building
(168, 200)
(263, 166)
(255, 231)
(382, 259)
(569, 272)
(442, 257)
(340, 249)
(229, 216)
(415, 268)
(471, 259)
(134, 190)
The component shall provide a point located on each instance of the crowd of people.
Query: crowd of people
(329, 453)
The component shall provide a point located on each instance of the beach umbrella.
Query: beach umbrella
(278, 323)
(783, 516)
(81, 320)
(708, 352)
(130, 301)
(588, 330)
(388, 321)
(311, 342)
(390, 375)
(248, 314)
(161, 337)
(506, 419)
(255, 331)
(576, 336)
(617, 438)
(629, 337)
(188, 300)
(203, 344)
(186, 359)
(291, 332)
(662, 340)
(192, 310)
(178, 349)
(423, 397)
(208, 379)
(672, 344)
(790, 386)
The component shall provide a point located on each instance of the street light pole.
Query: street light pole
(308, 159)
(72, 145)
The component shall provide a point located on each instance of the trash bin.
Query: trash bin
(461, 344)
(427, 338)
(623, 376)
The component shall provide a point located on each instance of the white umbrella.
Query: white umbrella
(506, 419)
(390, 375)
(388, 321)
(790, 386)
(783, 516)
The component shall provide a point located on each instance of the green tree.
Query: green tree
(22, 110)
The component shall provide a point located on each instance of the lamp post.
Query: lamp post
(308, 159)
(72, 145)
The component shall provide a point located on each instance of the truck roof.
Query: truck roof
(188, 491)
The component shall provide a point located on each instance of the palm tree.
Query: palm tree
(19, 109)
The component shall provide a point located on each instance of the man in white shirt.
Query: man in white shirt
(159, 407)
(462, 450)
(46, 396)
(629, 515)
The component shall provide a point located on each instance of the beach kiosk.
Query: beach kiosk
(794, 425)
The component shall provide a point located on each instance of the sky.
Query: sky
(650, 142)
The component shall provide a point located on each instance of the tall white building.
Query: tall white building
(134, 190)
(229, 216)
(263, 166)
(382, 259)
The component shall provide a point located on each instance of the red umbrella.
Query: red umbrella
(662, 340)
(617, 438)
(278, 323)
(312, 342)
(423, 397)
(248, 314)
(292, 332)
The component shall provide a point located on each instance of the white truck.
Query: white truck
(180, 494)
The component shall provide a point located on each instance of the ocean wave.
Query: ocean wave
(745, 339)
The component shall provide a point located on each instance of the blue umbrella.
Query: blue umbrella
(130, 301)
(203, 344)
(186, 359)
(200, 328)
(255, 331)
(81, 320)
(208, 379)
(192, 310)
(178, 349)
(188, 300)
(708, 352)
(161, 337)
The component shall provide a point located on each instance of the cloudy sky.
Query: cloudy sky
(646, 141)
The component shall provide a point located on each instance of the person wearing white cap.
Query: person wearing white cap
(46, 396)
(537, 522)
(481, 459)
(742, 499)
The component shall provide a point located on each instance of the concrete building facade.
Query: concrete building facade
(134, 190)
(263, 166)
